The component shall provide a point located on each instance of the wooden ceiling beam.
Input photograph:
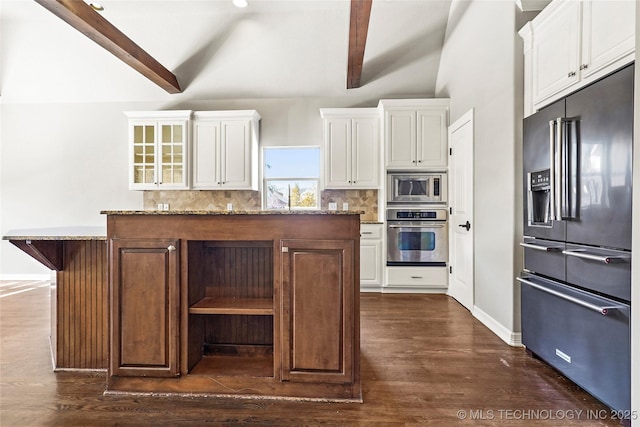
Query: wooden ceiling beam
(358, 28)
(85, 19)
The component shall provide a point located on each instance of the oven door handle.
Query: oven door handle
(416, 226)
(604, 310)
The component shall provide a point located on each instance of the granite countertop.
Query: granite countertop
(100, 232)
(234, 212)
(58, 233)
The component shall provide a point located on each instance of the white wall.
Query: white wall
(60, 165)
(488, 78)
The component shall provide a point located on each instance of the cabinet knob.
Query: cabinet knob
(584, 66)
(419, 161)
(171, 248)
(571, 74)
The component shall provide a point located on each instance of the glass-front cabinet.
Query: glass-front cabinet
(158, 144)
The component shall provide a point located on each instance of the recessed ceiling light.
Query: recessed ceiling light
(240, 3)
(96, 6)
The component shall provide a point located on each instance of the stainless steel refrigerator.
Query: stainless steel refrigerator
(576, 287)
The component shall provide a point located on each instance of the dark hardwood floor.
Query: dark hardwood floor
(425, 361)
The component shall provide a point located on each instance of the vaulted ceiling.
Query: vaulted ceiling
(272, 48)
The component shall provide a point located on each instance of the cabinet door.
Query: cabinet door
(144, 281)
(608, 34)
(556, 49)
(142, 157)
(400, 138)
(365, 149)
(318, 311)
(338, 153)
(371, 255)
(235, 168)
(172, 155)
(158, 155)
(432, 138)
(206, 154)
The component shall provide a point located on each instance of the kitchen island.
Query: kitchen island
(78, 255)
(248, 304)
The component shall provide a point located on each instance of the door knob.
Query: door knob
(466, 225)
(171, 248)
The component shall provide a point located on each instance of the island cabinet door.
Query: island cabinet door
(318, 311)
(144, 279)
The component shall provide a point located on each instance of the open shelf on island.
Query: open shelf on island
(235, 360)
(252, 306)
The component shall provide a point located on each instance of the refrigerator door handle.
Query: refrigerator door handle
(604, 310)
(559, 169)
(552, 170)
(581, 253)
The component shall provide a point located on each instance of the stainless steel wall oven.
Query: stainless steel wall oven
(417, 237)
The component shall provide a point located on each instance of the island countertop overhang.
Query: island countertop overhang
(58, 233)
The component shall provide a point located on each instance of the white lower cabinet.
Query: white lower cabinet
(417, 279)
(371, 257)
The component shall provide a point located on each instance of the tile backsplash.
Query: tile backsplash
(359, 200)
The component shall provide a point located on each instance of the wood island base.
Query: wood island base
(243, 304)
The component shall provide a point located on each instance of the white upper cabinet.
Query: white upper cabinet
(351, 154)
(608, 34)
(158, 150)
(573, 43)
(415, 133)
(225, 150)
(556, 50)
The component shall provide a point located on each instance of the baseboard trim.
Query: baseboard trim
(412, 290)
(514, 339)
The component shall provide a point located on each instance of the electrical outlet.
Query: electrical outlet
(165, 206)
(345, 206)
(333, 206)
(159, 206)
(229, 206)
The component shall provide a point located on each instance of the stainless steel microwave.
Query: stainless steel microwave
(412, 187)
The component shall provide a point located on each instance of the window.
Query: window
(291, 177)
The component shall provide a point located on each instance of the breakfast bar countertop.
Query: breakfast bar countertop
(58, 233)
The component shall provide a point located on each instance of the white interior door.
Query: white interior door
(461, 226)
